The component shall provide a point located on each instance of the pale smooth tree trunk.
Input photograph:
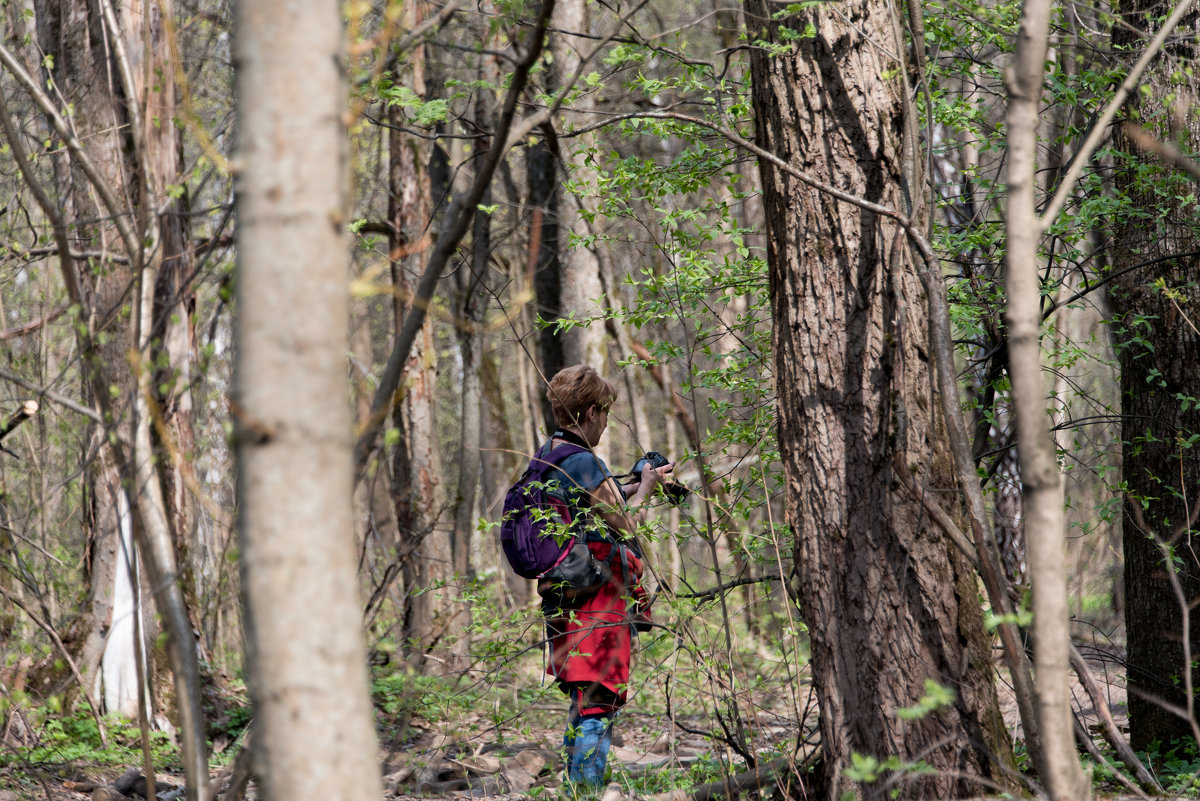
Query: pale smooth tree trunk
(306, 661)
(118, 667)
(889, 602)
(581, 287)
(1040, 476)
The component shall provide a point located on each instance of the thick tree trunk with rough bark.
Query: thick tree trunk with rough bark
(414, 207)
(1157, 368)
(888, 602)
(307, 666)
(71, 33)
(1159, 348)
(112, 71)
(116, 170)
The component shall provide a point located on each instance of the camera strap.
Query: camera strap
(570, 437)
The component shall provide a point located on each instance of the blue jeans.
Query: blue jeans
(586, 743)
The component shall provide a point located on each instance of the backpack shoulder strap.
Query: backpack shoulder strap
(543, 463)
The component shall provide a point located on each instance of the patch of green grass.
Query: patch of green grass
(67, 739)
(703, 770)
(431, 698)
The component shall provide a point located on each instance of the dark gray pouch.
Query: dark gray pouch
(576, 578)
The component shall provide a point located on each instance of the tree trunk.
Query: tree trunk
(547, 274)
(1155, 333)
(1042, 488)
(68, 34)
(889, 604)
(581, 285)
(416, 462)
(306, 663)
(502, 462)
(1158, 368)
(115, 179)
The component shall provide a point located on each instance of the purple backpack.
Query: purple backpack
(535, 527)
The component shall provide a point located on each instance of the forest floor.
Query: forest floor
(426, 765)
(435, 748)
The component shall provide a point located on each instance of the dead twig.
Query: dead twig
(1085, 739)
(1163, 151)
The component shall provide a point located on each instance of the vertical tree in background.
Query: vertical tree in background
(71, 37)
(889, 604)
(1042, 488)
(112, 170)
(580, 267)
(414, 205)
(544, 204)
(566, 272)
(306, 661)
(1156, 297)
(471, 302)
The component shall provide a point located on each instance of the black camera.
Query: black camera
(674, 492)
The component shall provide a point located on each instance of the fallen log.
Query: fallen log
(128, 786)
(1108, 726)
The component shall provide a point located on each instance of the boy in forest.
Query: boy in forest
(591, 636)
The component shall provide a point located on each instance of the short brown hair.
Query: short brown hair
(574, 390)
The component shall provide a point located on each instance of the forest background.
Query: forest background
(287, 284)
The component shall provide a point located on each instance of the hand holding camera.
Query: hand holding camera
(672, 490)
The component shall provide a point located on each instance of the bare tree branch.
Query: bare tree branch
(61, 400)
(1111, 733)
(1165, 151)
(544, 115)
(28, 409)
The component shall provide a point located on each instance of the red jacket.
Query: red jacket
(592, 643)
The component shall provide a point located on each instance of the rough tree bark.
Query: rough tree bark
(416, 462)
(307, 664)
(1159, 348)
(888, 601)
(119, 180)
(72, 39)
